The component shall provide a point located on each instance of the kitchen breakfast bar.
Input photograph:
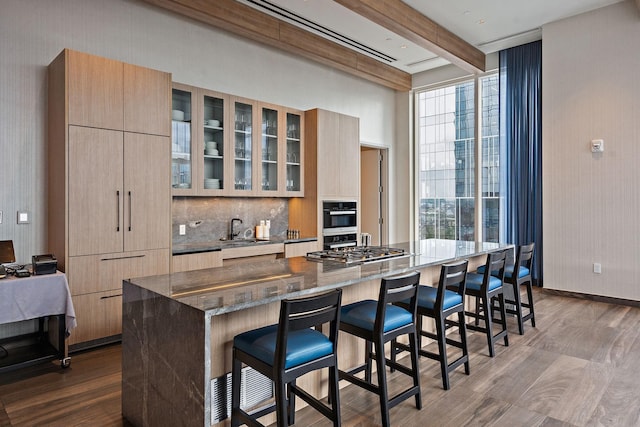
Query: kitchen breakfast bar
(178, 329)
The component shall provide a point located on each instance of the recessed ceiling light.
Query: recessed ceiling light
(466, 12)
(480, 21)
(404, 46)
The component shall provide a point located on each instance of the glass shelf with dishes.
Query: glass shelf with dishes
(213, 136)
(230, 146)
(269, 149)
(181, 140)
(294, 152)
(243, 146)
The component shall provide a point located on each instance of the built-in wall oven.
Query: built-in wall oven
(339, 224)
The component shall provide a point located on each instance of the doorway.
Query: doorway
(373, 194)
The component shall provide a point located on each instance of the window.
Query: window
(446, 150)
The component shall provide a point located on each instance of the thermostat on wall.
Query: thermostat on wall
(597, 145)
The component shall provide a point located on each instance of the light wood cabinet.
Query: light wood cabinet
(338, 155)
(118, 191)
(197, 261)
(147, 192)
(301, 248)
(99, 316)
(109, 192)
(96, 273)
(253, 251)
(95, 90)
(108, 94)
(95, 282)
(331, 167)
(95, 191)
(146, 100)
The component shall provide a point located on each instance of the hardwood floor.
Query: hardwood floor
(579, 367)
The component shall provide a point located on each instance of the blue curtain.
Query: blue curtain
(521, 147)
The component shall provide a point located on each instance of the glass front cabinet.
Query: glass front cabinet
(243, 122)
(183, 107)
(230, 146)
(270, 158)
(214, 143)
(294, 173)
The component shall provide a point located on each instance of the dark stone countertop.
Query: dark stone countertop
(226, 289)
(218, 245)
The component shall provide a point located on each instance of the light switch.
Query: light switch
(182, 229)
(23, 217)
(0, 217)
(597, 268)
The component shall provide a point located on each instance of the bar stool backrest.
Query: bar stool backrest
(524, 258)
(304, 313)
(395, 289)
(496, 264)
(454, 278)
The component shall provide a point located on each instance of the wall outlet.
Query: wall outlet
(0, 217)
(182, 229)
(597, 268)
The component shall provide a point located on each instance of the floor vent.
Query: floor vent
(255, 389)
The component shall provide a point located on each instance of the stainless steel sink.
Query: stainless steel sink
(242, 242)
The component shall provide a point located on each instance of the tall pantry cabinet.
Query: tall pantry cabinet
(332, 167)
(109, 194)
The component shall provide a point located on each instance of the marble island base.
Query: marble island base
(178, 329)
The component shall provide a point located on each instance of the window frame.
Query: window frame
(478, 140)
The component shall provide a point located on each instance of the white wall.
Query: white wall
(591, 202)
(33, 32)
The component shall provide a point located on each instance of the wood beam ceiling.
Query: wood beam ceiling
(398, 17)
(245, 21)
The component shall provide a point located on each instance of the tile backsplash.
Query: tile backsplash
(209, 218)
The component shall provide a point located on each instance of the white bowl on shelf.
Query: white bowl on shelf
(214, 123)
(211, 184)
(213, 152)
(177, 115)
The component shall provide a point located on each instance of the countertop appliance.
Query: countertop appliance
(44, 264)
(357, 254)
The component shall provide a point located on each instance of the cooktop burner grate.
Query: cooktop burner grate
(356, 254)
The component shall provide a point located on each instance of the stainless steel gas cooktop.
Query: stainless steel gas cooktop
(357, 254)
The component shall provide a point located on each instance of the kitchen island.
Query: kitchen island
(177, 329)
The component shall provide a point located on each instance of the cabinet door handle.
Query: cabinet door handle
(130, 210)
(118, 210)
(122, 257)
(111, 296)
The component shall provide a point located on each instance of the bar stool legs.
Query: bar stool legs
(441, 303)
(286, 351)
(378, 322)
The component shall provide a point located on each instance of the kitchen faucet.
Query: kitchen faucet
(233, 233)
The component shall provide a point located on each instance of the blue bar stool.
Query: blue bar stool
(288, 350)
(487, 288)
(515, 275)
(378, 322)
(439, 303)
